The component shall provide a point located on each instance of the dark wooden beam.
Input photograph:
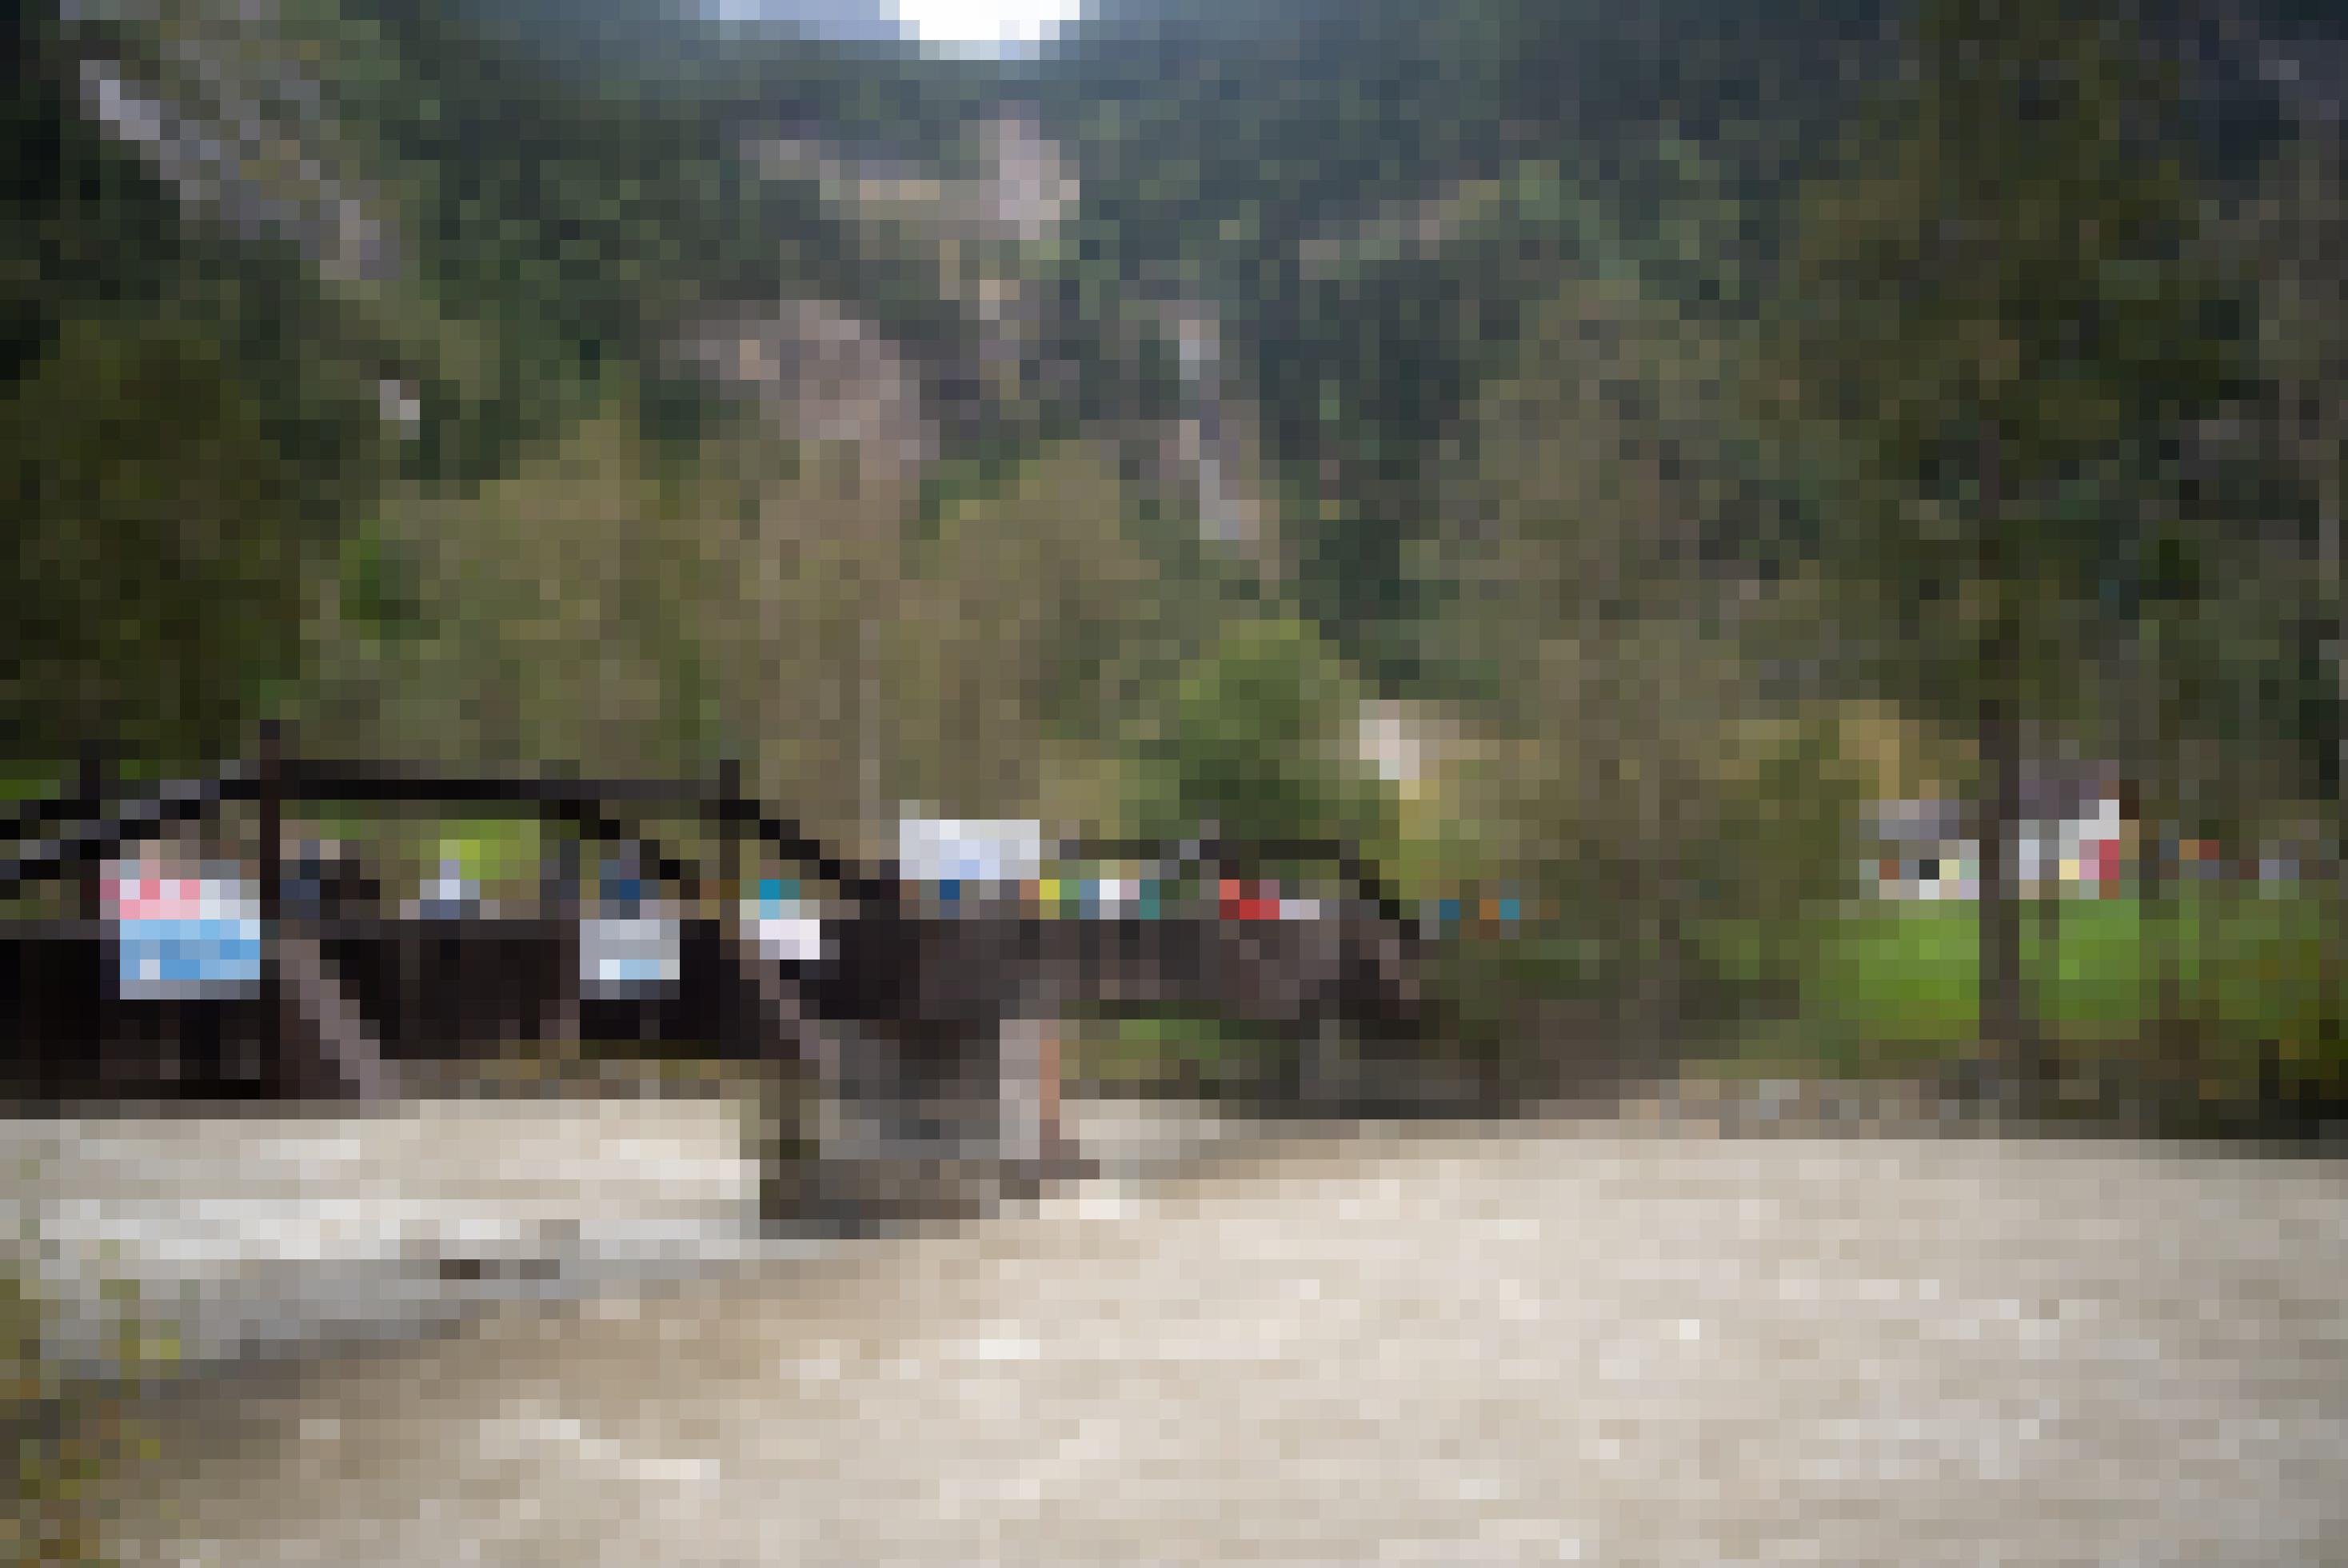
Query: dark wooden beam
(325, 1046)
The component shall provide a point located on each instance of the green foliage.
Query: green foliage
(2001, 290)
(2290, 233)
(1174, 1051)
(158, 553)
(1026, 623)
(85, 221)
(550, 615)
(1783, 847)
(2005, 269)
(1258, 739)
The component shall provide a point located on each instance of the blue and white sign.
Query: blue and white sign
(179, 937)
(633, 957)
(788, 928)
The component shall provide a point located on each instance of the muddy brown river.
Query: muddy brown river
(1562, 1345)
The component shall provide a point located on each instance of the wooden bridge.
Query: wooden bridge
(911, 1012)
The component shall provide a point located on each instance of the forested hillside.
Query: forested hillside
(1100, 434)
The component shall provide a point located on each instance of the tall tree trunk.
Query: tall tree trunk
(2317, 411)
(2050, 944)
(2156, 928)
(1670, 1012)
(2160, 792)
(2005, 1026)
(2334, 872)
(2004, 1022)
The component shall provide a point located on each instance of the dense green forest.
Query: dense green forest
(1688, 422)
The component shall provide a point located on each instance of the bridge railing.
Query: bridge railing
(75, 833)
(317, 966)
(58, 836)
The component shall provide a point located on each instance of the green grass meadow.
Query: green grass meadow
(1894, 987)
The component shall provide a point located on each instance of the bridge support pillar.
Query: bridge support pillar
(1028, 1093)
(324, 1044)
(1029, 1139)
(1330, 1078)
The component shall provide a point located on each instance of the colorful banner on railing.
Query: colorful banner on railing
(180, 937)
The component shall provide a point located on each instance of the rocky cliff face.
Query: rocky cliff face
(233, 106)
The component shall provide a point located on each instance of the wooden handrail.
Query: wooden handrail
(90, 834)
(96, 834)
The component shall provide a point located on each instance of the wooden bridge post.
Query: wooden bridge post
(93, 787)
(729, 847)
(316, 1038)
(736, 1021)
(1027, 1112)
(270, 767)
(1330, 1062)
(568, 884)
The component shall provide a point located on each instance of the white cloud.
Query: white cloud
(986, 24)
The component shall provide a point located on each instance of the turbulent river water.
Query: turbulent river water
(1541, 1344)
